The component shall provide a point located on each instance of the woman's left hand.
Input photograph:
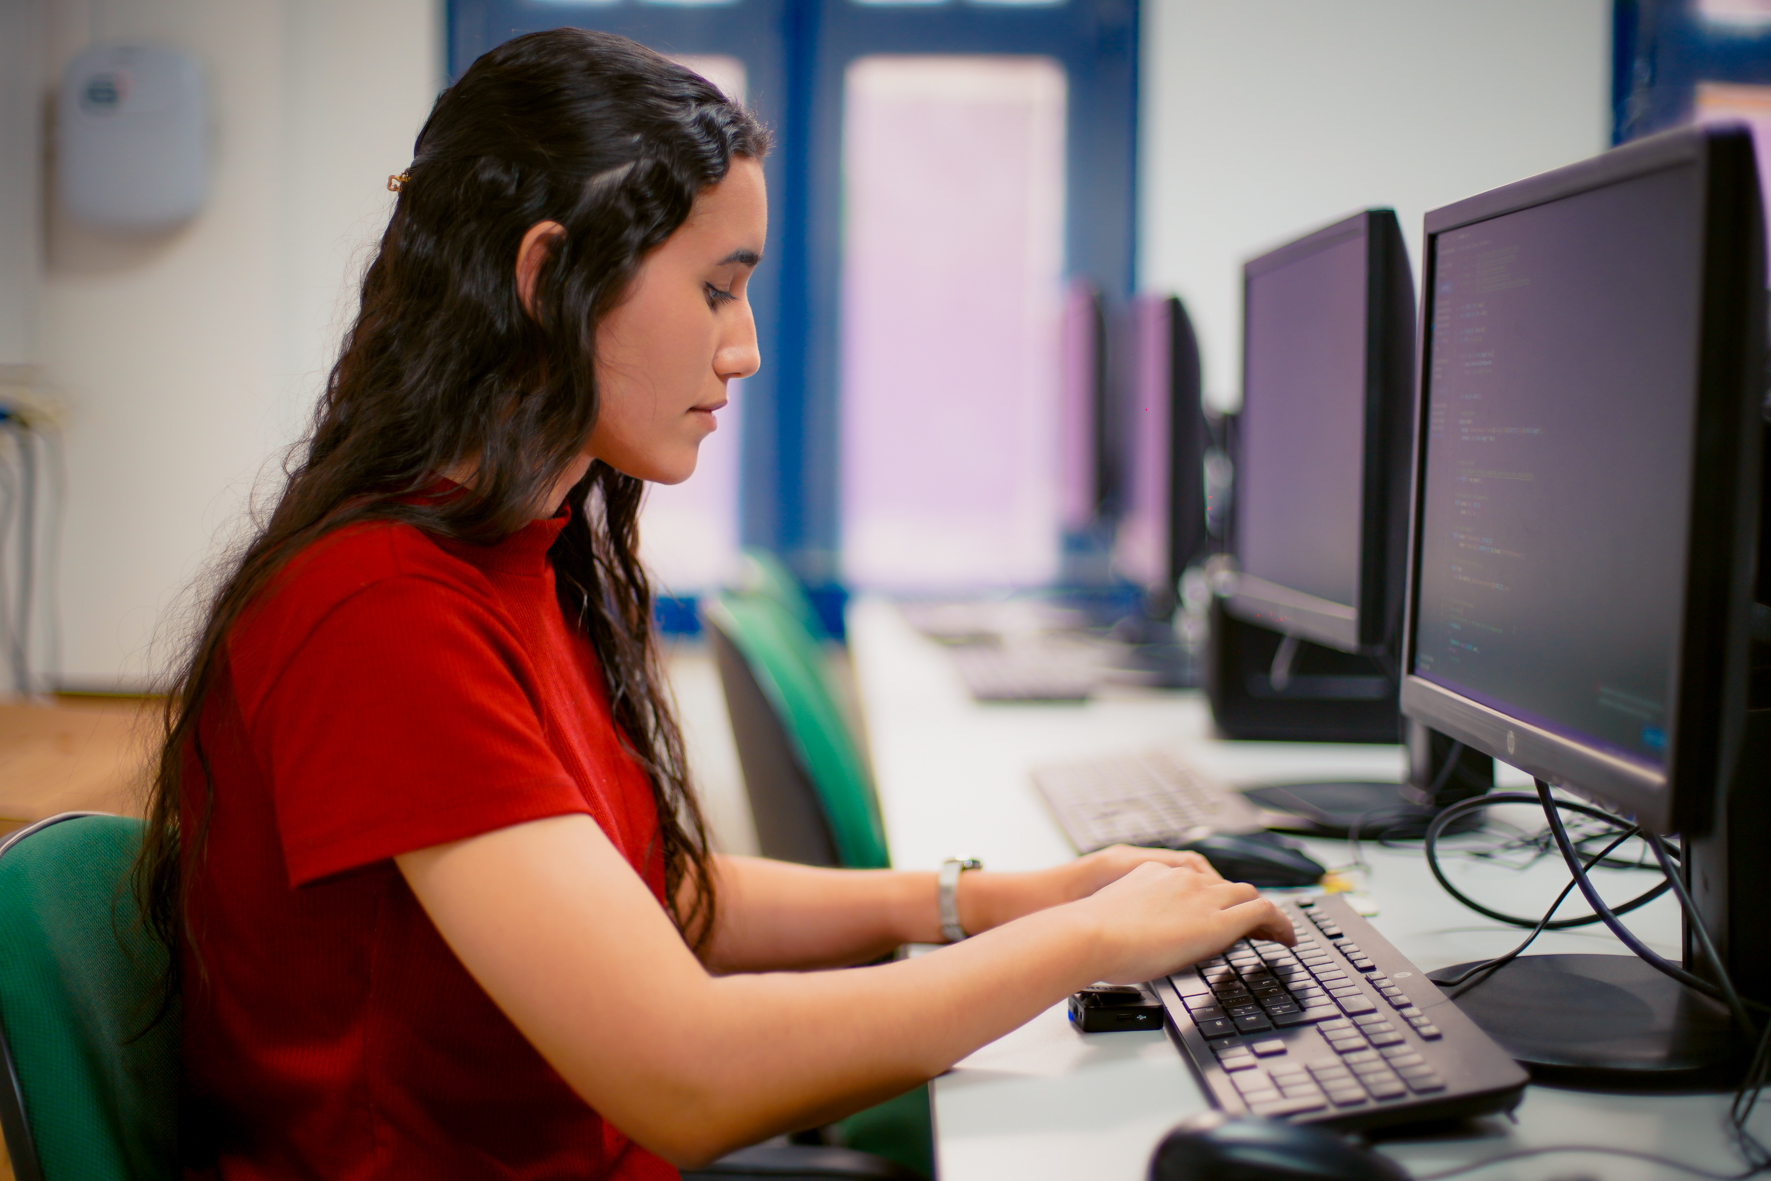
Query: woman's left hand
(990, 899)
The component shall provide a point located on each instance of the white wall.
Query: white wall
(184, 360)
(21, 73)
(1262, 119)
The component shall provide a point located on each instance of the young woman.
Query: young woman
(421, 827)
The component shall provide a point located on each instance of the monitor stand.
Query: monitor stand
(1400, 811)
(1604, 1022)
(1612, 1022)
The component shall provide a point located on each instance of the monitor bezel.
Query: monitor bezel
(1709, 711)
(1371, 623)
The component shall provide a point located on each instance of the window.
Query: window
(1070, 79)
(953, 175)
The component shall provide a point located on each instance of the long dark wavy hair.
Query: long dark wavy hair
(444, 370)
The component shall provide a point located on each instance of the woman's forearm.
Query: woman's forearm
(566, 939)
(779, 916)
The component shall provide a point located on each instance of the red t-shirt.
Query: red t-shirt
(391, 691)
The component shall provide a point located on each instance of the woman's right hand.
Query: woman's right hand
(1158, 919)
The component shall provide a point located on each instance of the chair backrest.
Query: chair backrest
(786, 664)
(91, 1090)
(765, 575)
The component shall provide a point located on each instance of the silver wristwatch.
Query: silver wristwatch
(947, 895)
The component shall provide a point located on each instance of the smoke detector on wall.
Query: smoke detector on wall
(133, 138)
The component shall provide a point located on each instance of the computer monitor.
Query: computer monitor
(1087, 461)
(1307, 629)
(1586, 523)
(1162, 527)
(1318, 528)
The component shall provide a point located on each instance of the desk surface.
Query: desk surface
(1046, 1101)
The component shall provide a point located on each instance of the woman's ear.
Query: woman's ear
(530, 255)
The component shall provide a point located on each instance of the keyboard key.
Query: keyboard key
(1237, 1062)
(1189, 984)
(1349, 1045)
(1365, 965)
(1250, 1024)
(1270, 1095)
(1337, 1023)
(1319, 1012)
(1279, 1009)
(1218, 1027)
(1354, 1058)
(1424, 1083)
(1348, 947)
(1410, 1012)
(1292, 1015)
(1430, 1032)
(1347, 989)
(1370, 1070)
(1334, 1076)
(1388, 1039)
(1379, 1026)
(1393, 1090)
(1229, 1045)
(1285, 1107)
(1365, 1021)
(1303, 1090)
(1418, 1070)
(1199, 1000)
(1207, 1013)
(1346, 1096)
(1268, 1047)
(1252, 1082)
(1352, 1006)
(1246, 1010)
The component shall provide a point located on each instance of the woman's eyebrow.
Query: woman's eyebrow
(742, 257)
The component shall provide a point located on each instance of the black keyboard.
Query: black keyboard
(1341, 1030)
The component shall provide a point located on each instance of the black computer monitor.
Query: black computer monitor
(1587, 506)
(1162, 528)
(1320, 516)
(1308, 628)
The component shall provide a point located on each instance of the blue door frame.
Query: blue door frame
(796, 53)
(1661, 50)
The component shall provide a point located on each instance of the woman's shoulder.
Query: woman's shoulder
(372, 560)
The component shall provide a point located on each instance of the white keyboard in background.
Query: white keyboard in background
(1150, 798)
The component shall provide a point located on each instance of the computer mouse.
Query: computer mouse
(1258, 858)
(1213, 1146)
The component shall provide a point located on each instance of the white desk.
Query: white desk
(1046, 1101)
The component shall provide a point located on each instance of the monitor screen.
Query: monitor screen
(1561, 391)
(1301, 431)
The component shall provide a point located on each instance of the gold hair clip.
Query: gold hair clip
(398, 181)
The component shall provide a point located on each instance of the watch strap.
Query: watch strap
(947, 895)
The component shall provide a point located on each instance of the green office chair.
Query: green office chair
(90, 1090)
(763, 574)
(810, 793)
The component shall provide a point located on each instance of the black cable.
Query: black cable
(57, 524)
(1694, 923)
(1458, 983)
(27, 549)
(1603, 1149)
(1552, 812)
(1463, 807)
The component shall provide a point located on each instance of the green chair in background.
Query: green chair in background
(763, 575)
(90, 1091)
(811, 795)
(810, 792)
